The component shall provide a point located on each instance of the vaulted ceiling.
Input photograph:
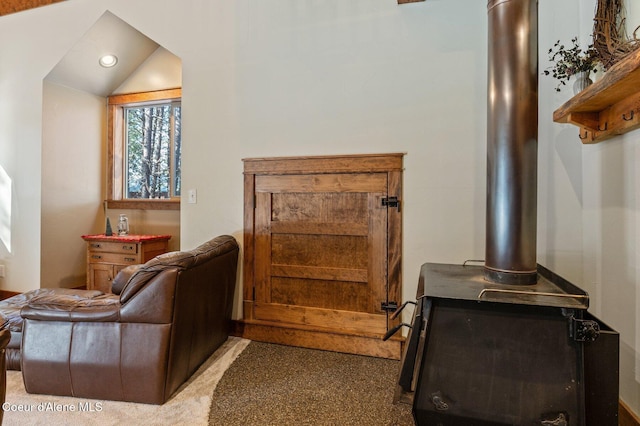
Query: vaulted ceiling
(79, 68)
(12, 6)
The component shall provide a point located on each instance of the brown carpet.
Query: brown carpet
(280, 385)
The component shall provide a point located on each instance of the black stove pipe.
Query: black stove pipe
(512, 145)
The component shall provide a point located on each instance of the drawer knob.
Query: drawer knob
(95, 256)
(127, 247)
(130, 259)
(96, 245)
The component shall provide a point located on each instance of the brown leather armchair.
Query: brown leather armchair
(141, 343)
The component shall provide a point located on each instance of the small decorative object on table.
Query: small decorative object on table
(123, 225)
(570, 62)
(108, 231)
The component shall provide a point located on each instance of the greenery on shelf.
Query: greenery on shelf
(570, 61)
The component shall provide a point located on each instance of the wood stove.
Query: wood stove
(509, 342)
(480, 353)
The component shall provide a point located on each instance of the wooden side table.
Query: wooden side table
(107, 255)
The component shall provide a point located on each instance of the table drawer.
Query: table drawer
(115, 258)
(113, 247)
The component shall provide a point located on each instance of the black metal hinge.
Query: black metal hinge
(391, 202)
(584, 330)
(581, 330)
(389, 306)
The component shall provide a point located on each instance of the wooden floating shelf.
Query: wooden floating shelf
(610, 106)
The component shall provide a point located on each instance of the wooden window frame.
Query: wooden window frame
(116, 150)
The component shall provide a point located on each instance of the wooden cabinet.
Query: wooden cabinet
(106, 256)
(322, 255)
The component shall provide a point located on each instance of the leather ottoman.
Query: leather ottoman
(10, 316)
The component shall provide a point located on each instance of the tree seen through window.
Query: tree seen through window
(153, 151)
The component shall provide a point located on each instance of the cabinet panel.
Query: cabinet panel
(317, 293)
(317, 253)
(310, 183)
(328, 250)
(315, 318)
(319, 207)
(331, 251)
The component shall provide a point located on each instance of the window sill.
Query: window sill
(144, 204)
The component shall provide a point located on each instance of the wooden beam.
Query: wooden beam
(13, 6)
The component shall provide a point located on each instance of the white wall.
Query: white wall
(72, 175)
(303, 77)
(612, 247)
(161, 70)
(589, 203)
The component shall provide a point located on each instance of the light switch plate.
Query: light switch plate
(192, 196)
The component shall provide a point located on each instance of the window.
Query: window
(152, 147)
(145, 146)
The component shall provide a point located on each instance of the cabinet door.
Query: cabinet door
(100, 277)
(321, 250)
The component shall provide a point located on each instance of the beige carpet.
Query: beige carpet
(188, 406)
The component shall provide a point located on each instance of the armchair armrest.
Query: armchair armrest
(122, 278)
(69, 309)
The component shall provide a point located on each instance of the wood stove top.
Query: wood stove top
(467, 282)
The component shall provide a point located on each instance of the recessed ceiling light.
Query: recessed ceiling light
(108, 61)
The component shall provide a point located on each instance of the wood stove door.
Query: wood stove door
(321, 250)
(499, 364)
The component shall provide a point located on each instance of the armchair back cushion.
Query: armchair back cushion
(171, 314)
